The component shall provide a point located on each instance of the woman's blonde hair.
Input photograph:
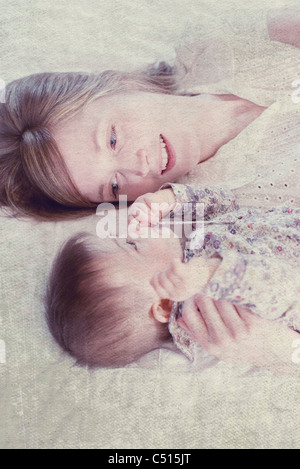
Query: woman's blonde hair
(33, 176)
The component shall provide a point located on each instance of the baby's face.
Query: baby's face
(137, 260)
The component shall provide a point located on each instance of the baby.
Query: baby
(110, 302)
(100, 305)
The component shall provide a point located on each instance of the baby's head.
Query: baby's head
(101, 308)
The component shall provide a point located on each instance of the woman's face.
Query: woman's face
(129, 144)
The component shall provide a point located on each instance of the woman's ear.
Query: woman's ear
(161, 311)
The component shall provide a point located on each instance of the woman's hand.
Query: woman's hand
(149, 209)
(234, 334)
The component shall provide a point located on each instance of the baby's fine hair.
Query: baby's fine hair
(97, 322)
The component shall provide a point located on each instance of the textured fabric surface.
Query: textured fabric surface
(163, 401)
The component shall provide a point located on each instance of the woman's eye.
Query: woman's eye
(115, 189)
(132, 243)
(113, 138)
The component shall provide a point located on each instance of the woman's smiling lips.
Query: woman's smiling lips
(171, 155)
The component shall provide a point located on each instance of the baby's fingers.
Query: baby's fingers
(162, 285)
(136, 230)
(168, 285)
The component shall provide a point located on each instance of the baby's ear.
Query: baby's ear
(161, 311)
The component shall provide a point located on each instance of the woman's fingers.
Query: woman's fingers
(223, 318)
(218, 326)
(214, 323)
(230, 316)
(193, 322)
(244, 313)
(210, 323)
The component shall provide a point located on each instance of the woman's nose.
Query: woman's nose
(142, 166)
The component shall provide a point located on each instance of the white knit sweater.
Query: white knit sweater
(235, 55)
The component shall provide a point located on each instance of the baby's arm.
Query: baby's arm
(150, 208)
(181, 281)
(216, 200)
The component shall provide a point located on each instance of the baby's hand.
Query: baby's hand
(179, 282)
(182, 281)
(149, 209)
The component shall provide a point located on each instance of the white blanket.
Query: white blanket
(163, 401)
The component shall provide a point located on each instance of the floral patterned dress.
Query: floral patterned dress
(260, 257)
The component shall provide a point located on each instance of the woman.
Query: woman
(54, 126)
(70, 141)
